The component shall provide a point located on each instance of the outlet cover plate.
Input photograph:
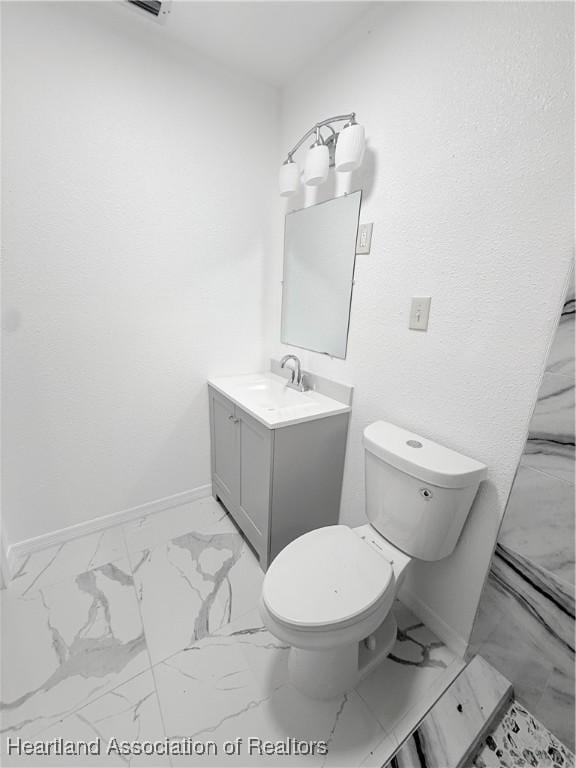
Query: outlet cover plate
(364, 239)
(419, 313)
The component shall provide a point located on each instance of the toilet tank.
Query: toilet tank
(418, 493)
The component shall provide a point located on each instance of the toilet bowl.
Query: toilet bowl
(325, 593)
(329, 593)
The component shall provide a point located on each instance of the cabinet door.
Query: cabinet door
(225, 451)
(256, 444)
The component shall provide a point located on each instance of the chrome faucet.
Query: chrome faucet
(296, 378)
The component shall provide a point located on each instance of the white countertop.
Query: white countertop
(266, 398)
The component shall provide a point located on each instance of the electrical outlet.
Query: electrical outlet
(419, 313)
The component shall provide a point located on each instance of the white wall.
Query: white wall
(136, 179)
(468, 179)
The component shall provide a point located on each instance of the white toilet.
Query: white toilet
(329, 593)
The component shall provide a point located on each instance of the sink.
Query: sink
(266, 397)
(275, 395)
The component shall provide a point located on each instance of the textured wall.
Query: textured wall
(468, 180)
(133, 247)
(525, 622)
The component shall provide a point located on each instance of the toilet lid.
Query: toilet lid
(327, 576)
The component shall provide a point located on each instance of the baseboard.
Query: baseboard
(28, 546)
(434, 622)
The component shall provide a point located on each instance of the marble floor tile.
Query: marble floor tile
(520, 741)
(550, 444)
(125, 714)
(193, 585)
(234, 684)
(66, 645)
(53, 564)
(408, 681)
(202, 516)
(539, 522)
(75, 651)
(380, 755)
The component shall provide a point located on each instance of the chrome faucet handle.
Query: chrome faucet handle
(297, 379)
(295, 375)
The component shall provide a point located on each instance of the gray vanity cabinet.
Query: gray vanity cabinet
(276, 483)
(225, 448)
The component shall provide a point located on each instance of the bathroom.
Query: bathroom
(145, 255)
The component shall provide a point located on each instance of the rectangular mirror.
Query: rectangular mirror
(319, 257)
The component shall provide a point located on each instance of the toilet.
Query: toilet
(329, 593)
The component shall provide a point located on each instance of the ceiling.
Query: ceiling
(268, 40)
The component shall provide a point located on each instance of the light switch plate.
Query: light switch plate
(419, 313)
(364, 239)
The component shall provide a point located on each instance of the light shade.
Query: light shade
(288, 179)
(316, 169)
(350, 148)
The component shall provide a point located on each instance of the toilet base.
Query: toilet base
(325, 674)
(385, 637)
(331, 672)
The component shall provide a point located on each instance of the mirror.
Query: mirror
(319, 256)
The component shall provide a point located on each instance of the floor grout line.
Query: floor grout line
(151, 667)
(59, 580)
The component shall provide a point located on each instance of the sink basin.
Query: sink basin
(275, 395)
(266, 397)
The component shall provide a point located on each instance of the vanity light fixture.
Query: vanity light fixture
(289, 177)
(344, 150)
(350, 147)
(317, 162)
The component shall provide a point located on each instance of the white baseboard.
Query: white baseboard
(28, 546)
(434, 622)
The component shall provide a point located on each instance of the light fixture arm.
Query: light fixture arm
(350, 118)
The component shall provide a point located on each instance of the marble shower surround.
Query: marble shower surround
(525, 621)
(158, 634)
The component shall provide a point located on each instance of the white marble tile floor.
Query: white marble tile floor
(150, 631)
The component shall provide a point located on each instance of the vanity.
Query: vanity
(277, 454)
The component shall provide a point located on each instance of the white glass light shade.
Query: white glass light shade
(288, 179)
(350, 148)
(316, 168)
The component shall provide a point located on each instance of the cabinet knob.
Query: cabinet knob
(233, 419)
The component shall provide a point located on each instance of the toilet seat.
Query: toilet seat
(328, 578)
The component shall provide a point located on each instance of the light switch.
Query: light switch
(419, 313)
(364, 239)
